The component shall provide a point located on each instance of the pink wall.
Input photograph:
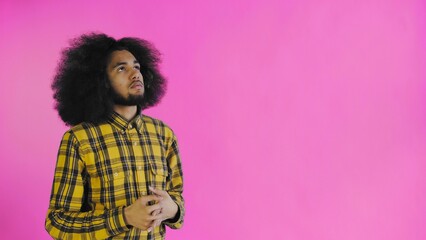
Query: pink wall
(296, 119)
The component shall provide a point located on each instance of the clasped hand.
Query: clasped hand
(144, 216)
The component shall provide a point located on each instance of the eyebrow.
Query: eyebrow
(123, 63)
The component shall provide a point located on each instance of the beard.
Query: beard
(131, 100)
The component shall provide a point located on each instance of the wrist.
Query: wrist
(175, 217)
(126, 216)
(175, 209)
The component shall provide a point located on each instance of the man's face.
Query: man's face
(126, 79)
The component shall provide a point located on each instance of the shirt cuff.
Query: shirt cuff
(115, 222)
(177, 221)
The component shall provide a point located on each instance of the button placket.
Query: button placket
(133, 134)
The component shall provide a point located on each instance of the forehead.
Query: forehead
(121, 56)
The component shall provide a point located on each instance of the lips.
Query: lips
(137, 84)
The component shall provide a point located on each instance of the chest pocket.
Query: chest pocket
(110, 172)
(112, 162)
(158, 164)
(159, 174)
(115, 182)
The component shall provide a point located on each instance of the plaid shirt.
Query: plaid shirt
(103, 168)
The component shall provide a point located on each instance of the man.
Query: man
(118, 174)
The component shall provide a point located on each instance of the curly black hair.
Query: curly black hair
(81, 87)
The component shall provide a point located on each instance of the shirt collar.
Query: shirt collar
(122, 124)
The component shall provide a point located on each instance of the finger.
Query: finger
(158, 192)
(155, 215)
(159, 217)
(152, 208)
(146, 199)
(152, 218)
(156, 223)
(156, 212)
(155, 218)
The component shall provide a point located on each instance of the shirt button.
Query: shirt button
(140, 168)
(115, 174)
(135, 143)
(123, 132)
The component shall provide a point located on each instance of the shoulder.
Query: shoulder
(84, 131)
(81, 128)
(87, 136)
(155, 122)
(158, 125)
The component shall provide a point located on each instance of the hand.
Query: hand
(168, 207)
(140, 214)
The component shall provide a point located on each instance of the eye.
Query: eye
(138, 67)
(120, 69)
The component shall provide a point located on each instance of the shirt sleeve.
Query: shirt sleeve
(66, 217)
(175, 185)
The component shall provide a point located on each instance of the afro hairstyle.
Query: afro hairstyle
(81, 87)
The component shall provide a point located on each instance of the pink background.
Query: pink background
(296, 119)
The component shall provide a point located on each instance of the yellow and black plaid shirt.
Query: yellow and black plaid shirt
(103, 168)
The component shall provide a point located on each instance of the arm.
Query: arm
(175, 185)
(66, 218)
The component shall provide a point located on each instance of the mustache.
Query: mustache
(137, 82)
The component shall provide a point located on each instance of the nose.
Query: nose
(136, 75)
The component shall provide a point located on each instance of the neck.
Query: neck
(127, 112)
